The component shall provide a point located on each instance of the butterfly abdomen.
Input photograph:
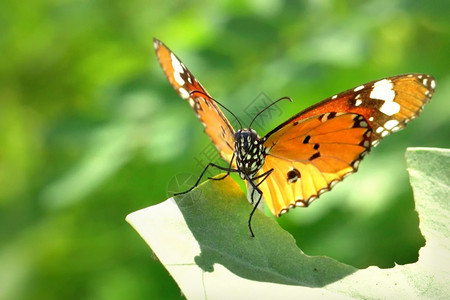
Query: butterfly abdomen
(249, 152)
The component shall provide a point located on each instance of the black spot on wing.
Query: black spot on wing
(306, 140)
(293, 175)
(314, 156)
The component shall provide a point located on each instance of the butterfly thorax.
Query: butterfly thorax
(249, 152)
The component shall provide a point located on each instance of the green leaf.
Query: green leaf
(202, 238)
(429, 172)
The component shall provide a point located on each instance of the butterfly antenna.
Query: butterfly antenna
(268, 106)
(209, 97)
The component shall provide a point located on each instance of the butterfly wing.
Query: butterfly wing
(309, 156)
(216, 124)
(387, 104)
(318, 147)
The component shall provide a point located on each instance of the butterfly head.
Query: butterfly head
(249, 152)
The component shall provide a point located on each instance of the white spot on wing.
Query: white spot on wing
(321, 191)
(184, 94)
(334, 97)
(358, 102)
(283, 211)
(177, 69)
(155, 44)
(359, 88)
(433, 84)
(390, 124)
(390, 108)
(333, 183)
(383, 90)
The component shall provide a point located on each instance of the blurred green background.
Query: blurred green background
(90, 129)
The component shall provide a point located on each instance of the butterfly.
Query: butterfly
(309, 153)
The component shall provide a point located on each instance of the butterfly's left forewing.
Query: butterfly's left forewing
(216, 124)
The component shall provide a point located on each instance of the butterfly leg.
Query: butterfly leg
(230, 169)
(255, 188)
(203, 173)
(265, 174)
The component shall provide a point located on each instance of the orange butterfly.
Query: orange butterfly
(308, 154)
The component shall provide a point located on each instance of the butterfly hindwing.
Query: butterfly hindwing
(309, 156)
(216, 124)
